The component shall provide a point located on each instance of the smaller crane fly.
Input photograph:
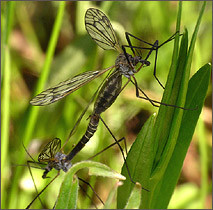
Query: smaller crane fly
(53, 157)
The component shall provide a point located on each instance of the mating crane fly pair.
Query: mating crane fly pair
(100, 29)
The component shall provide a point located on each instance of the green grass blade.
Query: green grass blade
(167, 137)
(162, 127)
(33, 112)
(197, 89)
(138, 164)
(68, 193)
(146, 163)
(176, 122)
(5, 91)
(169, 96)
(134, 198)
(6, 28)
(167, 128)
(5, 110)
(194, 36)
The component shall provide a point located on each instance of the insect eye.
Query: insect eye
(136, 60)
(147, 63)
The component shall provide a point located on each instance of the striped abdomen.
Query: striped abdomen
(108, 93)
(92, 127)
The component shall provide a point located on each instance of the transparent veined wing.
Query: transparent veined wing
(64, 88)
(50, 150)
(100, 29)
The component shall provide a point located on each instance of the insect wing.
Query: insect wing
(50, 150)
(64, 88)
(100, 29)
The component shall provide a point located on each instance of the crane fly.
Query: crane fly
(52, 156)
(49, 157)
(101, 31)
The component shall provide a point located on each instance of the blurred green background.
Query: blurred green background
(29, 33)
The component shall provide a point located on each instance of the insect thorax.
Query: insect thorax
(123, 66)
(108, 93)
(58, 163)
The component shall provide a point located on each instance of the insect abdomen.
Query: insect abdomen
(108, 93)
(91, 129)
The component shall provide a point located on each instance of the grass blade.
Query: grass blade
(69, 189)
(33, 112)
(168, 128)
(68, 194)
(176, 123)
(142, 145)
(197, 89)
(134, 198)
(5, 108)
(7, 24)
(166, 131)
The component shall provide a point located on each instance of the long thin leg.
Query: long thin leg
(87, 195)
(153, 101)
(106, 148)
(42, 190)
(119, 148)
(152, 45)
(91, 189)
(29, 154)
(168, 40)
(28, 165)
(155, 47)
(129, 42)
(146, 97)
(117, 142)
(125, 53)
(135, 82)
(132, 48)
